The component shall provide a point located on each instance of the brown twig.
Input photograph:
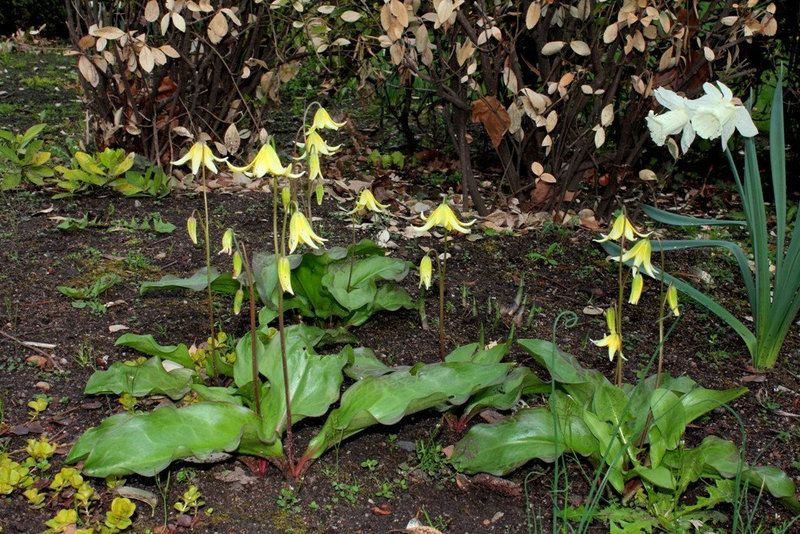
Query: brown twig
(35, 349)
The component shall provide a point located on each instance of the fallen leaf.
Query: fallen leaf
(237, 475)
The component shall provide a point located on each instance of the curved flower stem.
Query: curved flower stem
(253, 333)
(281, 333)
(213, 348)
(662, 298)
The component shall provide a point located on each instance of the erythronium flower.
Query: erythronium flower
(314, 169)
(285, 274)
(199, 154)
(613, 340)
(300, 232)
(425, 272)
(266, 162)
(443, 216)
(672, 300)
(640, 254)
(367, 201)
(674, 121)
(315, 142)
(718, 114)
(322, 120)
(227, 242)
(191, 227)
(622, 226)
(237, 264)
(636, 288)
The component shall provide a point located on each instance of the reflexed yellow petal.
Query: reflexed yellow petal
(315, 142)
(300, 231)
(367, 201)
(445, 217)
(314, 169)
(322, 120)
(640, 254)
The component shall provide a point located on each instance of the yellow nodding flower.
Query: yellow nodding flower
(636, 288)
(445, 217)
(300, 231)
(285, 274)
(315, 142)
(613, 340)
(227, 242)
(367, 201)
(200, 154)
(191, 227)
(314, 169)
(425, 272)
(640, 254)
(266, 162)
(322, 120)
(672, 300)
(622, 226)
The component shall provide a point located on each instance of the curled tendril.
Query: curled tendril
(567, 318)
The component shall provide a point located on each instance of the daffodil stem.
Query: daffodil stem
(213, 341)
(281, 333)
(253, 333)
(663, 301)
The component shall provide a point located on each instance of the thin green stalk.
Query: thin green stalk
(281, 333)
(213, 349)
(442, 272)
(253, 333)
(618, 308)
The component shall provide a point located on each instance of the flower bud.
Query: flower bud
(237, 264)
(285, 274)
(227, 242)
(237, 301)
(320, 192)
(286, 197)
(425, 272)
(191, 227)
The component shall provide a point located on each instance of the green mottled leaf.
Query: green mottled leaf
(149, 378)
(148, 345)
(147, 443)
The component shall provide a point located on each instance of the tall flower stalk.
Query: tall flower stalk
(200, 157)
(445, 217)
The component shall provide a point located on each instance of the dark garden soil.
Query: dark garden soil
(346, 490)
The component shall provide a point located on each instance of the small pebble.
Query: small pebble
(44, 386)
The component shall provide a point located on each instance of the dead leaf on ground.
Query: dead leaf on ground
(237, 475)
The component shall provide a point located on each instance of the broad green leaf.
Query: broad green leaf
(564, 368)
(674, 219)
(314, 381)
(660, 476)
(503, 396)
(148, 345)
(514, 441)
(147, 443)
(223, 283)
(148, 378)
(387, 399)
(669, 417)
(700, 401)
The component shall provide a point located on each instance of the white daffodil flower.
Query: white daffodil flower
(677, 119)
(717, 114)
